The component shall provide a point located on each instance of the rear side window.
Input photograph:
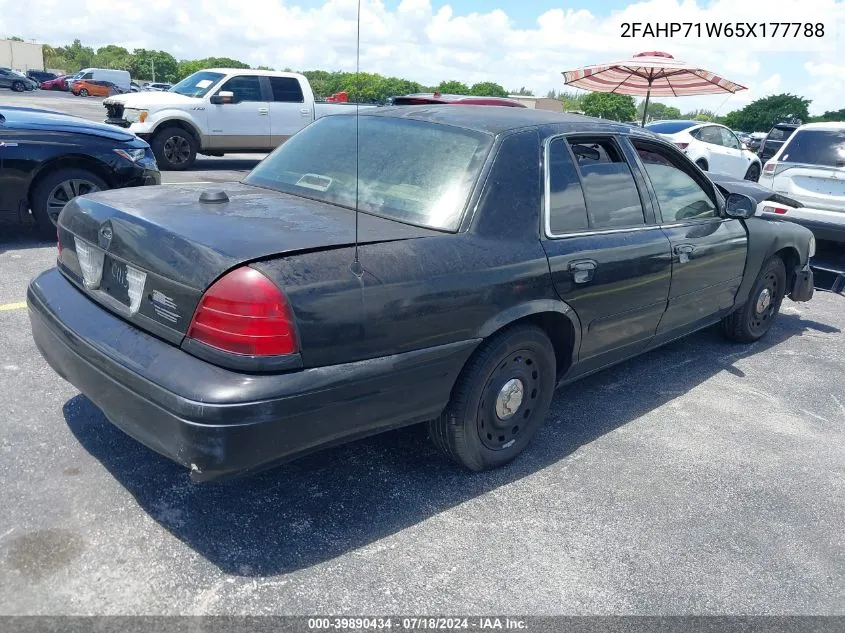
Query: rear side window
(87, 75)
(286, 89)
(567, 210)
(816, 147)
(613, 200)
(779, 134)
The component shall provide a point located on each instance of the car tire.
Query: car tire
(175, 149)
(751, 322)
(753, 173)
(517, 363)
(18, 86)
(702, 164)
(49, 193)
(83, 93)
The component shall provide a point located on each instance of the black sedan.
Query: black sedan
(495, 254)
(47, 159)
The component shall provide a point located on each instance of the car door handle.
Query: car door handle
(583, 270)
(683, 251)
(263, 111)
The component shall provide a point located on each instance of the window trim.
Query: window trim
(547, 185)
(702, 181)
(271, 95)
(229, 78)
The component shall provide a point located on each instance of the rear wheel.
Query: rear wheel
(18, 86)
(753, 173)
(175, 149)
(57, 189)
(757, 315)
(499, 401)
(83, 93)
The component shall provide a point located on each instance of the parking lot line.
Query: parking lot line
(19, 305)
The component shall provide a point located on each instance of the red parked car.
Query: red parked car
(59, 83)
(423, 99)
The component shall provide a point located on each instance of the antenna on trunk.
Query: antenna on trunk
(356, 268)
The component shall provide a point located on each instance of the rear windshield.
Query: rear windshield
(670, 127)
(198, 84)
(411, 171)
(780, 133)
(816, 147)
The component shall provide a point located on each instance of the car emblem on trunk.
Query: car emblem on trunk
(105, 236)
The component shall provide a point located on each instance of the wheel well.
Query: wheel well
(791, 260)
(561, 333)
(181, 125)
(69, 162)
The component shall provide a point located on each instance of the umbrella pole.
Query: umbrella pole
(645, 107)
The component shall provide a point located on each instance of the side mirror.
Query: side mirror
(224, 96)
(740, 206)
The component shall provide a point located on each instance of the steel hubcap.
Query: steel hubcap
(177, 149)
(66, 191)
(510, 398)
(764, 300)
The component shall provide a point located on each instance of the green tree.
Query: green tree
(15, 38)
(488, 89)
(190, 66)
(762, 114)
(112, 56)
(608, 105)
(830, 115)
(524, 92)
(658, 111)
(452, 88)
(263, 68)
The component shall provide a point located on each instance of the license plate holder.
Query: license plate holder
(115, 281)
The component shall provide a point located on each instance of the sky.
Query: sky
(516, 43)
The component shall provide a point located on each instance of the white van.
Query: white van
(117, 77)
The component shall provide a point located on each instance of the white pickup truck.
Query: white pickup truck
(219, 111)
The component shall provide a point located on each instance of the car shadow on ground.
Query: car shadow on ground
(18, 237)
(329, 503)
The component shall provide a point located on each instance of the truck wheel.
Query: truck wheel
(51, 194)
(756, 316)
(499, 401)
(18, 86)
(175, 149)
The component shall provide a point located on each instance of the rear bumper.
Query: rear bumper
(218, 422)
(825, 225)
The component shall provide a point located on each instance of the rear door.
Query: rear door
(708, 251)
(243, 124)
(609, 260)
(289, 111)
(739, 161)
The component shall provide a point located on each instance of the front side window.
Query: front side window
(411, 171)
(244, 88)
(728, 138)
(816, 147)
(710, 134)
(680, 197)
(613, 200)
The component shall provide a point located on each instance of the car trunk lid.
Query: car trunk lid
(152, 251)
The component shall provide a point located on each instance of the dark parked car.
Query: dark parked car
(16, 81)
(436, 97)
(47, 158)
(775, 139)
(500, 252)
(40, 76)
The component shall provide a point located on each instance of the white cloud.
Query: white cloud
(418, 42)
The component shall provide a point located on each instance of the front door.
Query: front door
(609, 260)
(708, 251)
(243, 124)
(740, 161)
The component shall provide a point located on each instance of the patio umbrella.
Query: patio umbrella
(652, 73)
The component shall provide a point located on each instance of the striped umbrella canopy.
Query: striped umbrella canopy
(653, 73)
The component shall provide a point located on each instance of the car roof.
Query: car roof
(493, 119)
(824, 125)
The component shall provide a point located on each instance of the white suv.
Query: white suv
(711, 146)
(810, 167)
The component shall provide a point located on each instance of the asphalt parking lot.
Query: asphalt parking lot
(705, 477)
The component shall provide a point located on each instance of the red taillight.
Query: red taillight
(769, 168)
(245, 313)
(682, 145)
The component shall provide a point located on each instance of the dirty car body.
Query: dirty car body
(483, 232)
